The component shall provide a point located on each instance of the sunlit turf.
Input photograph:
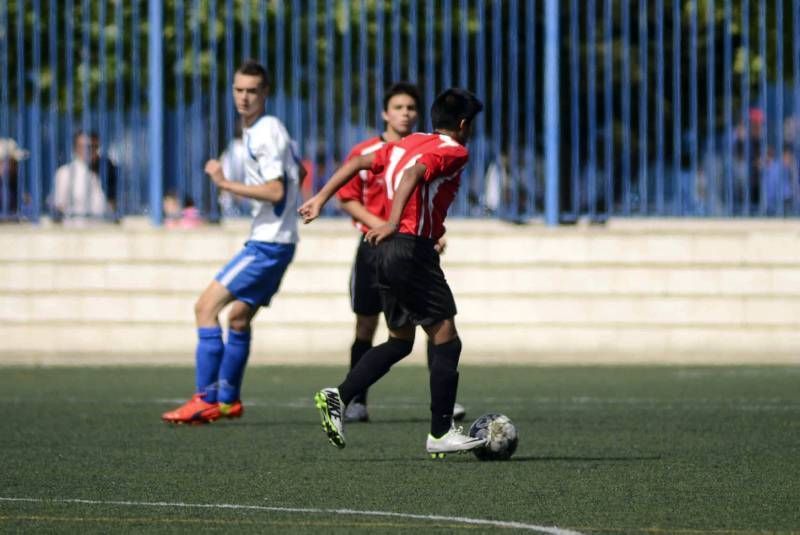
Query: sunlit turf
(602, 450)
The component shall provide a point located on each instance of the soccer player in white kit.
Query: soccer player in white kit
(272, 177)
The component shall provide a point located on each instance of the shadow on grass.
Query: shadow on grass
(522, 459)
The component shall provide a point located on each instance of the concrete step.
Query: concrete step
(99, 307)
(305, 276)
(469, 242)
(170, 343)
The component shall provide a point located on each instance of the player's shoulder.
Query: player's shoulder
(267, 125)
(367, 146)
(435, 143)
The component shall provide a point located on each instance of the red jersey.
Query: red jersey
(444, 159)
(366, 187)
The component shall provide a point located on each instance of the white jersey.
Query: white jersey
(272, 155)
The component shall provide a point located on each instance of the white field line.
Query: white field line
(550, 530)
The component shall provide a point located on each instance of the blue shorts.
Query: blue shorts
(254, 274)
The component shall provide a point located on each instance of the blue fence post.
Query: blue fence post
(155, 65)
(728, 110)
(551, 129)
(796, 41)
(677, 163)
(591, 108)
(643, 108)
(574, 113)
(625, 101)
(36, 123)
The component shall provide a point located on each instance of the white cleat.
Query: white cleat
(356, 412)
(329, 404)
(459, 412)
(454, 441)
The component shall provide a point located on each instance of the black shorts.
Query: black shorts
(412, 284)
(365, 298)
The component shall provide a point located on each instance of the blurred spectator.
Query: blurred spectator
(175, 216)
(78, 194)
(747, 174)
(10, 156)
(780, 184)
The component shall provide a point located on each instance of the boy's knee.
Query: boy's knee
(366, 327)
(400, 346)
(446, 356)
(240, 317)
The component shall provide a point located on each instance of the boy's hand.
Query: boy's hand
(440, 245)
(214, 170)
(310, 209)
(378, 234)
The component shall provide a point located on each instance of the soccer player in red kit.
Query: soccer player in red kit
(422, 174)
(363, 197)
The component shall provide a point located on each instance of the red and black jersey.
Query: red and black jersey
(444, 159)
(366, 187)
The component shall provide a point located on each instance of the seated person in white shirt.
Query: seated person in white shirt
(77, 186)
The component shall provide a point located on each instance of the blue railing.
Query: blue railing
(645, 108)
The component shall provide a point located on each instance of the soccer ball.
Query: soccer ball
(501, 434)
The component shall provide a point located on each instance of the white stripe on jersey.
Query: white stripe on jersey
(431, 189)
(409, 165)
(394, 159)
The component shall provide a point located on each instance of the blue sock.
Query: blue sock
(207, 360)
(231, 371)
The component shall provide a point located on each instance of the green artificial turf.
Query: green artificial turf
(602, 450)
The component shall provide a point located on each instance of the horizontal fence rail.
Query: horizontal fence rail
(677, 108)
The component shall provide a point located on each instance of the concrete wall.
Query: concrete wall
(630, 291)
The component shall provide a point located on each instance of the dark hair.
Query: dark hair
(80, 132)
(401, 88)
(251, 67)
(453, 105)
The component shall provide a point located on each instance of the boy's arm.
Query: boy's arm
(359, 212)
(311, 208)
(408, 182)
(271, 191)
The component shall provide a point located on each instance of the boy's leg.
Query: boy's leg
(365, 301)
(376, 362)
(444, 437)
(365, 333)
(208, 356)
(445, 353)
(331, 402)
(459, 412)
(237, 351)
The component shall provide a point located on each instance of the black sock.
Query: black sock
(372, 366)
(444, 385)
(357, 350)
(430, 353)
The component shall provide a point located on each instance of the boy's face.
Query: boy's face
(401, 114)
(249, 95)
(87, 148)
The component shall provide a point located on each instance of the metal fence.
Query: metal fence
(594, 108)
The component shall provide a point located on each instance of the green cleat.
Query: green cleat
(330, 405)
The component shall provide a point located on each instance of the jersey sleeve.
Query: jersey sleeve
(271, 151)
(445, 161)
(352, 190)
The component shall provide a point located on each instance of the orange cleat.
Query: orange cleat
(227, 410)
(194, 411)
